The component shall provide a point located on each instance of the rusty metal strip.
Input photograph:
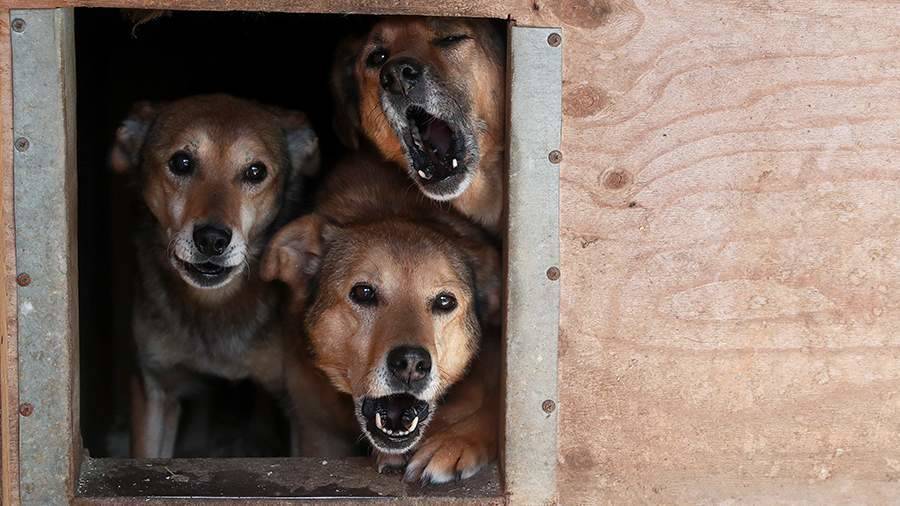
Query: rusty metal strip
(43, 60)
(533, 274)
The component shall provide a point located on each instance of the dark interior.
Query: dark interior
(280, 59)
(123, 57)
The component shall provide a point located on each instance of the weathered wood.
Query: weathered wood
(126, 481)
(9, 439)
(731, 223)
(464, 8)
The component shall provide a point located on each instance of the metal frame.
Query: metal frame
(43, 77)
(532, 282)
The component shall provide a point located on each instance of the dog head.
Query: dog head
(215, 172)
(392, 314)
(428, 93)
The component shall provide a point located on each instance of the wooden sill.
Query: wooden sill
(186, 481)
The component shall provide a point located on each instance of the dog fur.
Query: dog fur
(459, 67)
(206, 311)
(372, 228)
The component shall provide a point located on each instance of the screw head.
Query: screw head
(555, 156)
(18, 25)
(22, 144)
(548, 406)
(26, 409)
(554, 39)
(23, 279)
(553, 273)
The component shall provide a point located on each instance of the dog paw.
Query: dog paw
(446, 458)
(389, 462)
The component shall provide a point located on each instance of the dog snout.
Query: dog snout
(410, 365)
(212, 239)
(400, 75)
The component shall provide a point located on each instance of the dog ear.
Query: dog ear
(294, 255)
(129, 140)
(302, 142)
(484, 261)
(345, 91)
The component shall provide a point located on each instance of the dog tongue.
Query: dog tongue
(438, 134)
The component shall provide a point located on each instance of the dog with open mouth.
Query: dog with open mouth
(394, 303)
(216, 176)
(428, 93)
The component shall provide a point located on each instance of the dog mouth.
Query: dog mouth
(393, 423)
(436, 150)
(204, 274)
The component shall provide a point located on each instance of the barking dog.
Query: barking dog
(395, 290)
(429, 94)
(216, 174)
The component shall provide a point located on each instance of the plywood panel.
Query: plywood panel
(731, 252)
(479, 8)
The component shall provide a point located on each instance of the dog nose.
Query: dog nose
(400, 75)
(212, 239)
(409, 364)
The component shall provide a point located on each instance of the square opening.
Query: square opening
(233, 438)
(179, 55)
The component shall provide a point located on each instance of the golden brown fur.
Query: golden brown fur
(200, 306)
(370, 226)
(462, 82)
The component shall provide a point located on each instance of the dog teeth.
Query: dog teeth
(423, 175)
(455, 163)
(382, 428)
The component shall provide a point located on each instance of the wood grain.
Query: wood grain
(731, 214)
(464, 8)
(731, 226)
(9, 416)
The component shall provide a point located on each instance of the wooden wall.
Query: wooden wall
(731, 244)
(731, 215)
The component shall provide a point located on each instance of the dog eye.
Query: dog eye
(451, 40)
(255, 173)
(363, 294)
(181, 164)
(377, 57)
(444, 303)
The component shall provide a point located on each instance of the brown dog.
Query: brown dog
(216, 175)
(429, 94)
(392, 291)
